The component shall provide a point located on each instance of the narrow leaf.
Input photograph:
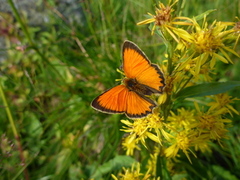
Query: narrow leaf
(207, 89)
(206, 13)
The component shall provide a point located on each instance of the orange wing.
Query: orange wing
(137, 66)
(120, 99)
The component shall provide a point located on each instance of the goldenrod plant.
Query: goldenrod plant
(195, 110)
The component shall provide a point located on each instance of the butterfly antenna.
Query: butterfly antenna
(118, 79)
(121, 72)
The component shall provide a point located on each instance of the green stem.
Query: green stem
(9, 114)
(185, 84)
(24, 28)
(180, 6)
(167, 107)
(161, 168)
(14, 129)
(159, 165)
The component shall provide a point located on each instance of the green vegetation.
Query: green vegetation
(51, 73)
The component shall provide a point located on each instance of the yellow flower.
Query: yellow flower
(222, 104)
(182, 131)
(207, 42)
(139, 127)
(211, 123)
(132, 174)
(204, 73)
(164, 19)
(182, 141)
(130, 144)
(139, 130)
(182, 120)
(202, 143)
(155, 122)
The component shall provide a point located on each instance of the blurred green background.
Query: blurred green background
(52, 69)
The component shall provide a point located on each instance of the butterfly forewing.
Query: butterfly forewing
(136, 65)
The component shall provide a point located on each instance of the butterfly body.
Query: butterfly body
(141, 89)
(130, 97)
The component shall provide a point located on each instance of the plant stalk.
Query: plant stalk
(14, 129)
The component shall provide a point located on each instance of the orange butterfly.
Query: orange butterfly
(142, 78)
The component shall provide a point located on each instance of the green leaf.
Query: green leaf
(207, 89)
(179, 176)
(221, 173)
(206, 13)
(32, 124)
(114, 164)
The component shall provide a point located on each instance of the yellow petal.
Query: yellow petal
(221, 58)
(147, 21)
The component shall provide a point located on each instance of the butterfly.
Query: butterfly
(142, 79)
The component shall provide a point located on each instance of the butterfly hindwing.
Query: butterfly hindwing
(120, 99)
(137, 66)
(138, 106)
(112, 100)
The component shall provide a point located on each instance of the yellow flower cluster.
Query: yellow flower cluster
(151, 127)
(183, 129)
